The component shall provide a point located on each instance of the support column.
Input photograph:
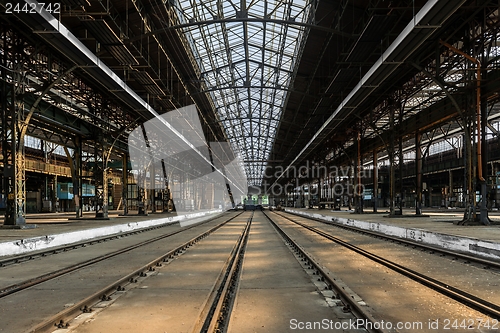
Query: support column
(75, 164)
(55, 199)
(392, 177)
(101, 179)
(401, 166)
(141, 195)
(418, 173)
(350, 186)
(483, 215)
(152, 192)
(125, 183)
(77, 185)
(358, 187)
(450, 186)
(375, 181)
(166, 189)
(12, 117)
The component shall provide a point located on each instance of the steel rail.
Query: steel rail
(214, 316)
(472, 301)
(468, 258)
(52, 275)
(64, 248)
(61, 319)
(349, 302)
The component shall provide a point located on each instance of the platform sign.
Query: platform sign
(88, 190)
(65, 191)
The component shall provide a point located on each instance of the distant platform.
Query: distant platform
(436, 229)
(58, 229)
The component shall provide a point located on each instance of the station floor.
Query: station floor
(51, 223)
(46, 230)
(437, 228)
(437, 220)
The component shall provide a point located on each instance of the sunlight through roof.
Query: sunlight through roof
(247, 58)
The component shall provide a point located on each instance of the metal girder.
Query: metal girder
(432, 15)
(14, 84)
(48, 118)
(291, 23)
(100, 172)
(245, 61)
(63, 40)
(75, 163)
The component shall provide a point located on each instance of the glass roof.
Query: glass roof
(247, 53)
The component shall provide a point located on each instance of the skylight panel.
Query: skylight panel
(247, 66)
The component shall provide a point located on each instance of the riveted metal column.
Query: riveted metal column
(483, 217)
(450, 185)
(350, 186)
(7, 151)
(358, 188)
(392, 177)
(166, 189)
(375, 181)
(152, 192)
(77, 187)
(125, 183)
(13, 86)
(75, 163)
(401, 166)
(141, 194)
(418, 173)
(101, 179)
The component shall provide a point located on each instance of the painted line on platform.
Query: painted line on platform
(26, 245)
(468, 245)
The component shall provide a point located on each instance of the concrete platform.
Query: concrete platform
(58, 229)
(171, 299)
(437, 229)
(275, 292)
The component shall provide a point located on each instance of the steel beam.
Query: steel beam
(418, 172)
(418, 30)
(125, 159)
(13, 88)
(100, 179)
(375, 181)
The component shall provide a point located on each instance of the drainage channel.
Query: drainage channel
(348, 301)
(217, 310)
(472, 301)
(112, 291)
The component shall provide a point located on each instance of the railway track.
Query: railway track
(484, 306)
(212, 280)
(251, 266)
(215, 309)
(123, 280)
(37, 254)
(215, 314)
(482, 262)
(349, 303)
(5, 291)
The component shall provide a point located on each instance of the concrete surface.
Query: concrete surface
(437, 230)
(54, 231)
